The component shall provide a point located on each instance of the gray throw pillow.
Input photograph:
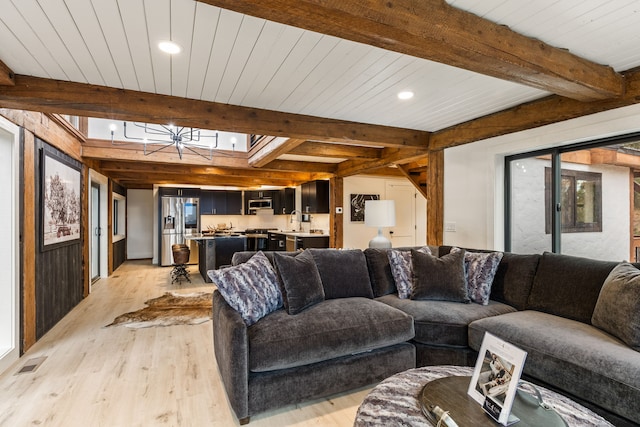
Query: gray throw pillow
(480, 269)
(301, 283)
(440, 279)
(250, 288)
(344, 273)
(402, 269)
(617, 310)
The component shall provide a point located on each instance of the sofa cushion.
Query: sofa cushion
(301, 284)
(250, 288)
(344, 273)
(573, 356)
(402, 269)
(444, 323)
(618, 308)
(331, 329)
(439, 278)
(568, 286)
(480, 269)
(514, 279)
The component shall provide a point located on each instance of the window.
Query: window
(119, 217)
(580, 200)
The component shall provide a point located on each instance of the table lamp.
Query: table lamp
(379, 213)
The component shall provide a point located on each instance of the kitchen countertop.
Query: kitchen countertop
(200, 236)
(299, 233)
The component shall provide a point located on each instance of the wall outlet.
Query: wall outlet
(450, 227)
(338, 210)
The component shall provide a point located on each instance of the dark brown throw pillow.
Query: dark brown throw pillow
(300, 280)
(440, 279)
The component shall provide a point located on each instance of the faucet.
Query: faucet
(296, 215)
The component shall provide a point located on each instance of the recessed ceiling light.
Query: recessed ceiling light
(169, 47)
(405, 95)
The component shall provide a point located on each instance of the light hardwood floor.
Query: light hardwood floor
(160, 376)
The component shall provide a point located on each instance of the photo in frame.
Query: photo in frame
(357, 205)
(495, 378)
(61, 208)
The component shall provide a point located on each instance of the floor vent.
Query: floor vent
(115, 277)
(31, 365)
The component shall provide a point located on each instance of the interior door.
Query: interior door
(404, 232)
(95, 232)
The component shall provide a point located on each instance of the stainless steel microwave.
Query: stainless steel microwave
(258, 204)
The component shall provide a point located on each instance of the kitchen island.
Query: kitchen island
(296, 240)
(215, 251)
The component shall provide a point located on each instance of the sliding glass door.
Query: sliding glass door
(577, 200)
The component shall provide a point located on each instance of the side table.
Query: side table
(394, 402)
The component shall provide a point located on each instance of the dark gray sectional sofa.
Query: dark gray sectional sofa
(541, 303)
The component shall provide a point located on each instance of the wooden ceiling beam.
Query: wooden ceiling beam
(81, 99)
(545, 111)
(327, 169)
(183, 169)
(7, 77)
(213, 180)
(271, 151)
(134, 152)
(390, 157)
(323, 149)
(417, 181)
(434, 30)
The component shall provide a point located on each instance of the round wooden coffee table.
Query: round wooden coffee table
(394, 402)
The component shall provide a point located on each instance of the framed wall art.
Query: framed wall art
(357, 205)
(60, 215)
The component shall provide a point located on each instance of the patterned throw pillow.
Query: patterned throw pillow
(250, 288)
(402, 269)
(480, 269)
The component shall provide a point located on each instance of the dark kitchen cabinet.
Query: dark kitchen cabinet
(277, 241)
(284, 201)
(315, 197)
(179, 192)
(234, 202)
(220, 202)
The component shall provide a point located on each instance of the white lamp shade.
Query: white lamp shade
(379, 213)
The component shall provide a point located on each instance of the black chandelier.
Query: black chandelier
(180, 137)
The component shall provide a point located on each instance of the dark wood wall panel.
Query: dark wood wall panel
(119, 253)
(59, 272)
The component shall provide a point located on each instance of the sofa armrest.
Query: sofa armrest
(231, 347)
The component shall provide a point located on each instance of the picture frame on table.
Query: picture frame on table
(495, 378)
(60, 201)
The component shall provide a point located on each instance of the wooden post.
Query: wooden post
(336, 222)
(28, 243)
(435, 198)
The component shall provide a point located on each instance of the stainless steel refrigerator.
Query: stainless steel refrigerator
(180, 218)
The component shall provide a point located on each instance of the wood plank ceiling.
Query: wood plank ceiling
(323, 74)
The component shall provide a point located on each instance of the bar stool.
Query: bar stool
(181, 254)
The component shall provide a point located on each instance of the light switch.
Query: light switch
(450, 227)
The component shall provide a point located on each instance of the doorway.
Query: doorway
(9, 245)
(404, 232)
(96, 232)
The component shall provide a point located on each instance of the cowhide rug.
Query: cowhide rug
(169, 309)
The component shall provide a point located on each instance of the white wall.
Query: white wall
(140, 208)
(9, 245)
(474, 174)
(357, 235)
